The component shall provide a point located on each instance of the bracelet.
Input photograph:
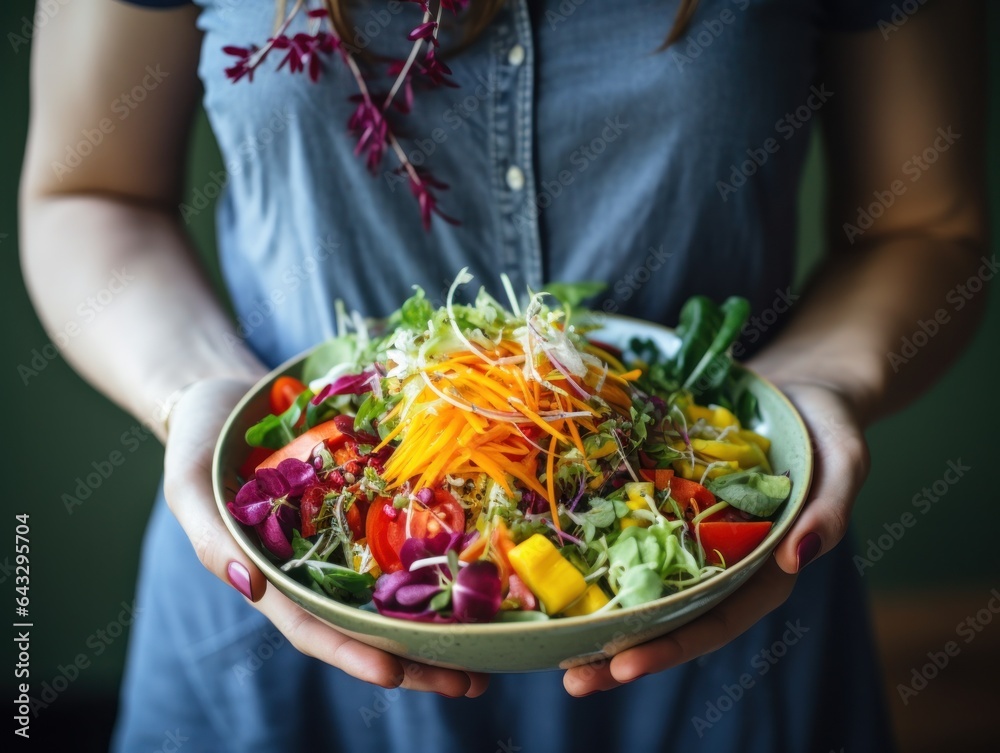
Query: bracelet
(166, 408)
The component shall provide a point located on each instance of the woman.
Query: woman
(575, 150)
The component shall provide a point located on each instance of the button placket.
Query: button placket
(526, 214)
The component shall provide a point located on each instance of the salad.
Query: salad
(489, 462)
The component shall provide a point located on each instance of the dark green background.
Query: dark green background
(84, 564)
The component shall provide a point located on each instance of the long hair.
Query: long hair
(479, 14)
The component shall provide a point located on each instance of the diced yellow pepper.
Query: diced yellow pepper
(639, 490)
(549, 575)
(593, 599)
(635, 504)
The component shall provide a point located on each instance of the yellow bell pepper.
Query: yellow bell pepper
(758, 439)
(549, 575)
(736, 449)
(684, 469)
(635, 504)
(717, 417)
(593, 599)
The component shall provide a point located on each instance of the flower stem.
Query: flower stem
(414, 51)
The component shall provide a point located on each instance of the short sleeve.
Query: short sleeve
(858, 15)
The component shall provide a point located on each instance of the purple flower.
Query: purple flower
(432, 592)
(371, 129)
(435, 72)
(425, 30)
(348, 384)
(266, 502)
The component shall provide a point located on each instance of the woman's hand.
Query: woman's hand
(195, 423)
(841, 466)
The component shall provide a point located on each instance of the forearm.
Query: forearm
(861, 307)
(119, 289)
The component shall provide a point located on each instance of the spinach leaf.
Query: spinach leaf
(719, 328)
(274, 432)
(751, 491)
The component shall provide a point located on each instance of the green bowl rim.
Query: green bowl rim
(303, 594)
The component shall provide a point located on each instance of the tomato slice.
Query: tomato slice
(733, 541)
(357, 515)
(284, 391)
(443, 514)
(309, 507)
(386, 527)
(684, 491)
(385, 534)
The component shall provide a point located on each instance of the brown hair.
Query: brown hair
(480, 13)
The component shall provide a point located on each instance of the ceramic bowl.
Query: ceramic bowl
(525, 646)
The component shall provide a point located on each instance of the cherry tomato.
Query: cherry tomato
(733, 541)
(284, 391)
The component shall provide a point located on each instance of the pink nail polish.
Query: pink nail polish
(239, 577)
(807, 550)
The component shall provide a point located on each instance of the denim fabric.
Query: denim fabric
(574, 151)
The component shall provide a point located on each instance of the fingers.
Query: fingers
(841, 462)
(317, 639)
(589, 678)
(763, 593)
(195, 425)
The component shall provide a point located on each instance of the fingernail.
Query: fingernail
(807, 550)
(239, 577)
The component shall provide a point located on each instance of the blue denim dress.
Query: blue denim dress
(574, 150)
